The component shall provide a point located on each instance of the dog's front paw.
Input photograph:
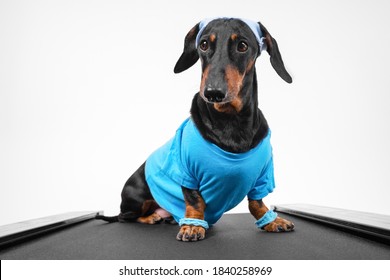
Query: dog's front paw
(279, 225)
(191, 233)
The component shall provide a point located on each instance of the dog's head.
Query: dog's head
(228, 49)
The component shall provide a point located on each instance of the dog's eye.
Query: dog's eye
(242, 46)
(204, 45)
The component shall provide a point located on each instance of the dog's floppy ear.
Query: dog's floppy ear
(275, 56)
(190, 54)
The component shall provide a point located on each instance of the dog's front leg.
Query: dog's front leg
(259, 210)
(193, 227)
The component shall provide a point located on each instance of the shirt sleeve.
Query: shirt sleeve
(265, 184)
(176, 167)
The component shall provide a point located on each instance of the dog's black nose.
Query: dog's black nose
(214, 95)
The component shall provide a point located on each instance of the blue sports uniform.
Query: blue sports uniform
(223, 178)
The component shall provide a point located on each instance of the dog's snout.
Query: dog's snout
(214, 94)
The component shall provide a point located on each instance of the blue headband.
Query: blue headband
(254, 26)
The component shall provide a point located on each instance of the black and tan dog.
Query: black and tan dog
(225, 117)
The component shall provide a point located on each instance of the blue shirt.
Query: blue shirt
(223, 178)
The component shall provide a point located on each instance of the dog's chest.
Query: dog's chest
(210, 165)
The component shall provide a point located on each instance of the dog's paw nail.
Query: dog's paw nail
(186, 237)
(290, 227)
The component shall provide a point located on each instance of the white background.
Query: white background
(87, 92)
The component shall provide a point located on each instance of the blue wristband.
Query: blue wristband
(268, 217)
(194, 222)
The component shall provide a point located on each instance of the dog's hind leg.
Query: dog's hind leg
(157, 216)
(138, 203)
(148, 215)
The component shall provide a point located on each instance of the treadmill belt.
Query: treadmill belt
(234, 237)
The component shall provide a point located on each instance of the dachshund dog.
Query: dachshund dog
(222, 152)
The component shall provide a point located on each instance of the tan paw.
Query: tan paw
(151, 219)
(191, 233)
(279, 225)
